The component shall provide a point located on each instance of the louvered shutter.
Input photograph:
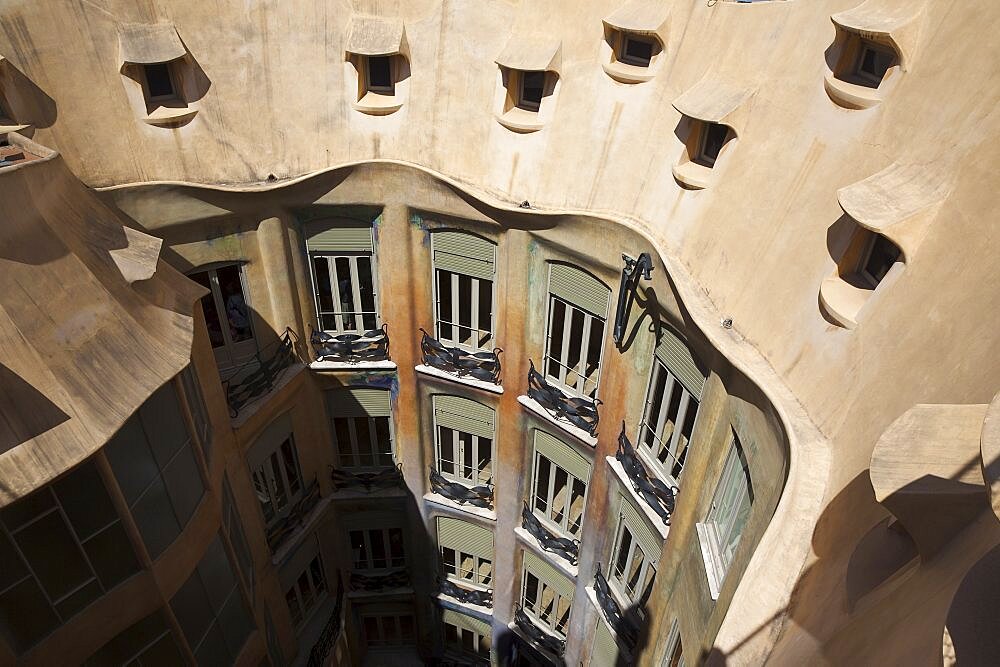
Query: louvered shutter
(464, 253)
(465, 537)
(579, 288)
(649, 540)
(549, 574)
(461, 414)
(563, 455)
(273, 435)
(467, 622)
(358, 402)
(605, 650)
(674, 354)
(344, 237)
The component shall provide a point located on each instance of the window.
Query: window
(227, 314)
(61, 548)
(636, 552)
(675, 386)
(159, 81)
(199, 414)
(464, 267)
(713, 137)
(155, 466)
(362, 427)
(305, 595)
(388, 628)
(146, 642)
(377, 548)
(530, 91)
(636, 51)
(559, 485)
(674, 656)
(466, 636)
(274, 468)
(578, 309)
(463, 432)
(720, 533)
(211, 611)
(546, 596)
(233, 528)
(466, 552)
(343, 273)
(879, 257)
(380, 74)
(873, 62)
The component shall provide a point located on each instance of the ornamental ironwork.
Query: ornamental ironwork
(624, 627)
(331, 631)
(465, 595)
(366, 481)
(351, 348)
(480, 496)
(561, 546)
(580, 412)
(631, 272)
(373, 583)
(295, 519)
(660, 497)
(258, 376)
(536, 635)
(483, 365)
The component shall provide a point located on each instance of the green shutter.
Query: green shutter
(579, 288)
(464, 536)
(550, 575)
(462, 621)
(344, 237)
(563, 455)
(675, 355)
(461, 414)
(649, 540)
(358, 402)
(605, 650)
(464, 253)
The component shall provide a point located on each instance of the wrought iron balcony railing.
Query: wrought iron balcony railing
(625, 628)
(538, 636)
(331, 631)
(483, 365)
(580, 412)
(351, 348)
(468, 596)
(366, 481)
(257, 377)
(295, 519)
(373, 583)
(480, 496)
(561, 546)
(660, 497)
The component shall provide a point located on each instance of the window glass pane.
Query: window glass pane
(158, 80)
(292, 599)
(359, 549)
(448, 560)
(193, 611)
(379, 72)
(560, 493)
(621, 558)
(406, 629)
(465, 309)
(468, 462)
(291, 467)
(131, 460)
(532, 87)
(396, 547)
(530, 591)
(444, 305)
(345, 293)
(576, 507)
(163, 424)
(84, 500)
(25, 614)
(390, 629)
(572, 359)
(485, 572)
(111, 554)
(379, 555)
(366, 286)
(594, 354)
(324, 294)
(562, 616)
(79, 599)
(213, 650)
(237, 311)
(557, 318)
(212, 319)
(184, 484)
(154, 515)
(542, 483)
(485, 323)
(383, 437)
(485, 460)
(447, 442)
(372, 633)
(654, 405)
(12, 567)
(53, 555)
(278, 488)
(363, 437)
(468, 640)
(24, 510)
(316, 572)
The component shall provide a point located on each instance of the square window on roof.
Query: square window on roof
(380, 74)
(532, 89)
(713, 137)
(881, 255)
(159, 81)
(636, 51)
(873, 62)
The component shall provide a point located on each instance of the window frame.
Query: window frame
(566, 337)
(703, 157)
(866, 258)
(625, 57)
(865, 46)
(529, 609)
(543, 515)
(370, 552)
(476, 444)
(355, 446)
(685, 402)
(455, 575)
(459, 649)
(359, 315)
(230, 353)
(628, 597)
(381, 615)
(370, 87)
(521, 102)
(674, 654)
(475, 313)
(269, 481)
(735, 470)
(319, 591)
(172, 77)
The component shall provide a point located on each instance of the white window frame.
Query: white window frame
(579, 388)
(353, 447)
(529, 606)
(618, 582)
(316, 588)
(458, 574)
(265, 478)
(339, 312)
(674, 645)
(459, 649)
(230, 353)
(713, 531)
(478, 445)
(559, 528)
(370, 552)
(482, 339)
(525, 104)
(673, 449)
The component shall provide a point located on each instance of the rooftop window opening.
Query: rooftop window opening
(636, 50)
(531, 90)
(873, 62)
(880, 255)
(380, 74)
(159, 81)
(712, 138)
(377, 65)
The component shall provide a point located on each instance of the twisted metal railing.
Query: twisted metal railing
(295, 519)
(368, 481)
(483, 365)
(538, 636)
(480, 496)
(625, 628)
(258, 376)
(331, 631)
(468, 596)
(561, 546)
(580, 412)
(351, 348)
(660, 497)
(372, 583)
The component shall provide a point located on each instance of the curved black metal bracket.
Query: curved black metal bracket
(631, 272)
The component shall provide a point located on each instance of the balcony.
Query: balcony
(579, 412)
(561, 546)
(465, 596)
(368, 482)
(480, 496)
(536, 635)
(331, 631)
(295, 519)
(380, 583)
(257, 377)
(351, 348)
(657, 495)
(483, 366)
(626, 630)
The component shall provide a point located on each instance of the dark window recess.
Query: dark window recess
(158, 80)
(532, 87)
(379, 72)
(637, 52)
(713, 138)
(874, 63)
(883, 255)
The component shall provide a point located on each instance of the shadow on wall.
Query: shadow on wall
(973, 623)
(25, 101)
(32, 413)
